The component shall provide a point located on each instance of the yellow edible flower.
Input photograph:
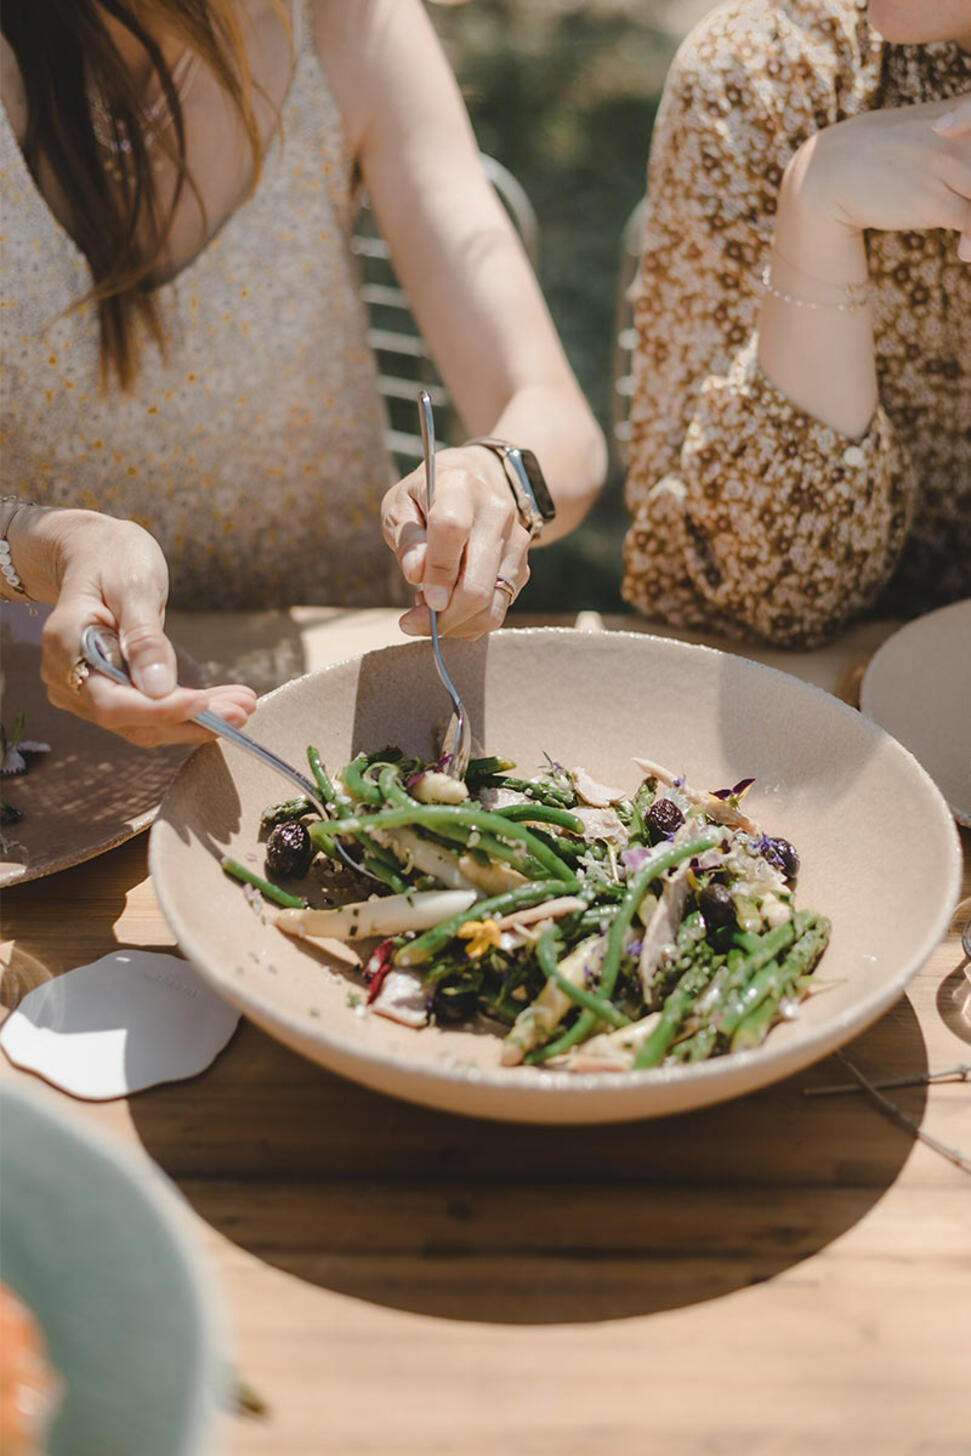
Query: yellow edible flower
(482, 935)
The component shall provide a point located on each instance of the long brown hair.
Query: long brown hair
(66, 54)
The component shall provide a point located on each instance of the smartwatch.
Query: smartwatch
(530, 491)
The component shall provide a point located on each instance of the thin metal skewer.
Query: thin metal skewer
(457, 742)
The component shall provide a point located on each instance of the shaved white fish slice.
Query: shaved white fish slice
(662, 928)
(402, 998)
(599, 796)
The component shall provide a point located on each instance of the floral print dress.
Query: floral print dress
(750, 517)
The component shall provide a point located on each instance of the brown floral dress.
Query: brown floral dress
(750, 517)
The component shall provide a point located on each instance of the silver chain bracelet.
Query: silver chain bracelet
(7, 569)
(856, 296)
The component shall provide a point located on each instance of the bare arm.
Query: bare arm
(470, 285)
(885, 170)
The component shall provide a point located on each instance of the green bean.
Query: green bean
(327, 790)
(494, 848)
(519, 899)
(617, 932)
(431, 816)
(392, 789)
(596, 1005)
(473, 839)
(250, 877)
(541, 814)
(357, 785)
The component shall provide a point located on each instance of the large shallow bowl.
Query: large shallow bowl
(97, 1248)
(879, 850)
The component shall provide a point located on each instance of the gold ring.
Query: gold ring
(504, 585)
(78, 675)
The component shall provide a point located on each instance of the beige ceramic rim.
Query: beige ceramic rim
(527, 1094)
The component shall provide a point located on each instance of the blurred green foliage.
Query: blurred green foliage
(564, 95)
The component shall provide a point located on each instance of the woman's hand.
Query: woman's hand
(456, 552)
(905, 169)
(102, 570)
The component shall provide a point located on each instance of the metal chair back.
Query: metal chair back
(404, 363)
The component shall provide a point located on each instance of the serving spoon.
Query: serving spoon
(101, 649)
(457, 739)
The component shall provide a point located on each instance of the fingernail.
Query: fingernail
(156, 679)
(409, 628)
(944, 123)
(436, 597)
(411, 564)
(964, 250)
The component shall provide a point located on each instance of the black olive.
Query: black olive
(663, 819)
(289, 849)
(717, 906)
(782, 854)
(455, 1003)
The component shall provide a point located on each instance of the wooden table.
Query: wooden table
(781, 1274)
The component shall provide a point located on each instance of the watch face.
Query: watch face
(544, 501)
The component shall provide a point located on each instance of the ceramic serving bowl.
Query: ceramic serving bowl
(97, 1247)
(880, 854)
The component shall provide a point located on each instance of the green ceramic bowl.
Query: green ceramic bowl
(97, 1247)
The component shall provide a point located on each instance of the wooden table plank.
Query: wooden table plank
(779, 1274)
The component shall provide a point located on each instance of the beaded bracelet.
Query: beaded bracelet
(856, 296)
(7, 569)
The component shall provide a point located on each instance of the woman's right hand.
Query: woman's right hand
(891, 171)
(101, 570)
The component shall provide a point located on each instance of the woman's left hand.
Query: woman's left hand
(457, 553)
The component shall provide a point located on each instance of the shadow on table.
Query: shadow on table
(483, 1221)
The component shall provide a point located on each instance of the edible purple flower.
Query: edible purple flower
(735, 792)
(634, 949)
(679, 781)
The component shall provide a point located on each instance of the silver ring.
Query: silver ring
(503, 584)
(78, 675)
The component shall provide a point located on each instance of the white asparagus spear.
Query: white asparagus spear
(534, 1024)
(428, 858)
(611, 1051)
(493, 878)
(387, 915)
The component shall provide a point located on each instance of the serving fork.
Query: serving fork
(457, 739)
(101, 649)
